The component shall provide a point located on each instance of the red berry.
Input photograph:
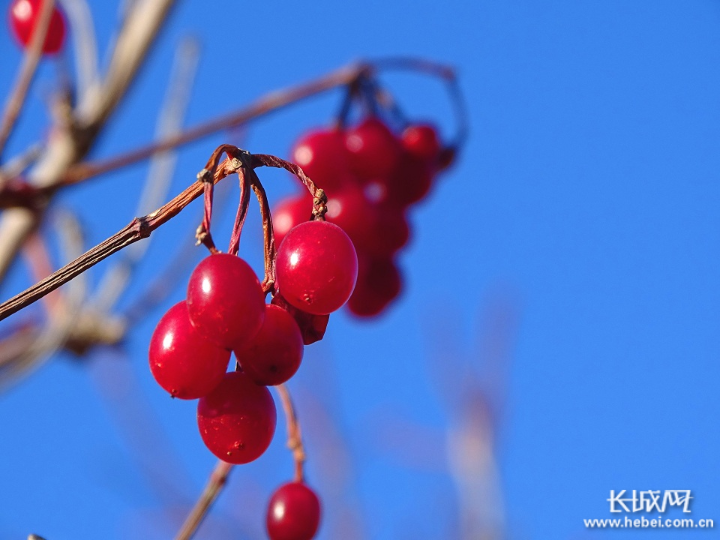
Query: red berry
(275, 353)
(290, 212)
(293, 513)
(182, 361)
(411, 182)
(352, 212)
(375, 229)
(379, 283)
(323, 157)
(421, 140)
(24, 17)
(225, 301)
(316, 267)
(237, 419)
(373, 149)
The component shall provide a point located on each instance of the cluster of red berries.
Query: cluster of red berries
(225, 310)
(24, 16)
(372, 177)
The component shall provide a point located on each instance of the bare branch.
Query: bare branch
(17, 165)
(162, 168)
(68, 146)
(136, 36)
(265, 105)
(63, 316)
(27, 73)
(215, 483)
(136, 230)
(85, 44)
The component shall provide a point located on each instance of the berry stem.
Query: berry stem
(218, 479)
(234, 246)
(319, 197)
(34, 52)
(294, 435)
(268, 283)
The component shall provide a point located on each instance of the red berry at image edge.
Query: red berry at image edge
(316, 267)
(293, 513)
(237, 420)
(275, 353)
(225, 300)
(183, 362)
(24, 16)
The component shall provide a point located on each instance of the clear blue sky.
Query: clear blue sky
(586, 203)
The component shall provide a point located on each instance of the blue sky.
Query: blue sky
(584, 207)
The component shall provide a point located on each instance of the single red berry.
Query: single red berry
(350, 210)
(379, 283)
(290, 212)
(374, 150)
(322, 155)
(312, 327)
(225, 300)
(293, 513)
(316, 267)
(421, 140)
(275, 353)
(375, 229)
(183, 362)
(24, 18)
(237, 419)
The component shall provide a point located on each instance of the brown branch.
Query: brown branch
(136, 230)
(294, 434)
(215, 483)
(76, 132)
(265, 105)
(15, 102)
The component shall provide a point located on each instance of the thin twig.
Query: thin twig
(215, 483)
(15, 167)
(136, 230)
(82, 31)
(71, 142)
(15, 102)
(294, 434)
(265, 105)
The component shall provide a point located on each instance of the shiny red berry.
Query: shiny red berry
(421, 140)
(275, 353)
(375, 229)
(290, 212)
(225, 300)
(379, 283)
(373, 149)
(24, 17)
(293, 513)
(322, 155)
(237, 420)
(316, 267)
(183, 362)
